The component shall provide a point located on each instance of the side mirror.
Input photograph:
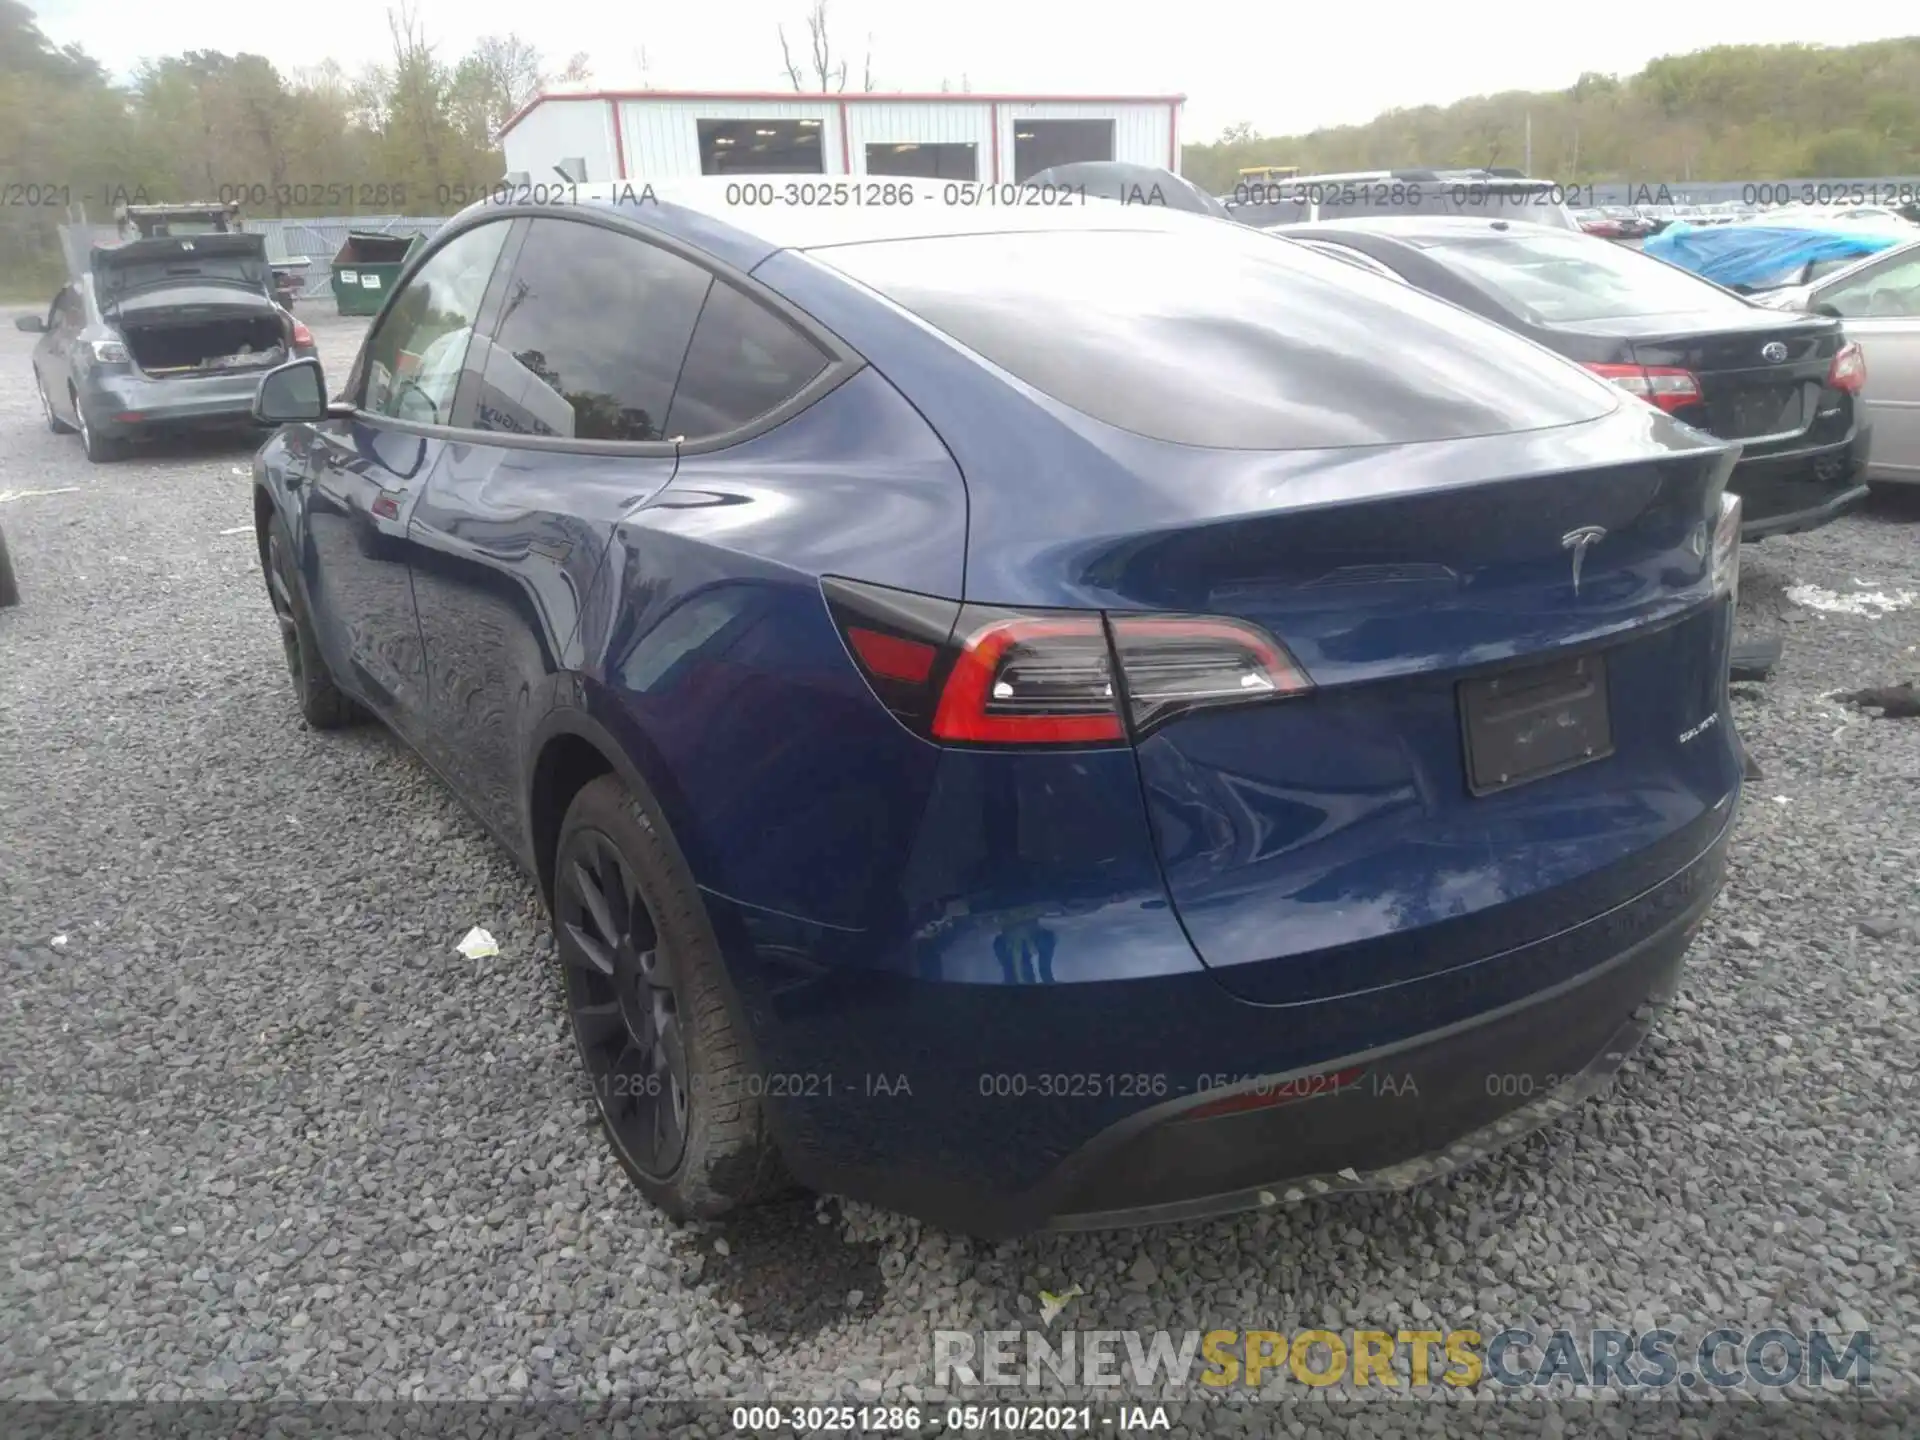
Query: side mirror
(32, 324)
(291, 393)
(1826, 307)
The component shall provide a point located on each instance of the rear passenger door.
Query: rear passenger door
(563, 427)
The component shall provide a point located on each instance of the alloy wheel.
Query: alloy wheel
(280, 591)
(623, 1002)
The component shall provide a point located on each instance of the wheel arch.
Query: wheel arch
(263, 512)
(570, 749)
(565, 763)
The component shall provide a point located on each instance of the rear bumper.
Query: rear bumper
(1496, 1060)
(1799, 490)
(1441, 1103)
(126, 405)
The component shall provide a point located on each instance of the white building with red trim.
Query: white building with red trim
(660, 134)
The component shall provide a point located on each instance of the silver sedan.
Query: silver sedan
(1879, 298)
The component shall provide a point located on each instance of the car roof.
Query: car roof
(1469, 174)
(1905, 247)
(1417, 230)
(743, 219)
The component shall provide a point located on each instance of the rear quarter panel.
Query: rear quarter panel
(711, 657)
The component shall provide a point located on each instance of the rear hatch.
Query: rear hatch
(1494, 570)
(203, 272)
(193, 306)
(1410, 815)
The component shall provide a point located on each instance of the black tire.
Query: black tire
(54, 422)
(647, 999)
(323, 704)
(101, 450)
(9, 588)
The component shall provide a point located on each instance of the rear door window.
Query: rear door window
(744, 361)
(1216, 336)
(594, 326)
(1566, 279)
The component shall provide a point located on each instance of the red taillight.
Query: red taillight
(1665, 386)
(891, 657)
(975, 675)
(1032, 681)
(301, 335)
(1848, 371)
(1174, 663)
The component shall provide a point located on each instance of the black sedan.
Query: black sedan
(1785, 387)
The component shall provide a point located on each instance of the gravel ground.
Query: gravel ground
(266, 1134)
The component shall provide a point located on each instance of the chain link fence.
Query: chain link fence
(318, 241)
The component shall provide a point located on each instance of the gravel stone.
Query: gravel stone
(268, 1136)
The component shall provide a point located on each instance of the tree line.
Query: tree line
(395, 138)
(415, 134)
(1733, 112)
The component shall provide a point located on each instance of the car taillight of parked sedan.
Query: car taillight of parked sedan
(1666, 387)
(1848, 371)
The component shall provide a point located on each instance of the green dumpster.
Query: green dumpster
(366, 267)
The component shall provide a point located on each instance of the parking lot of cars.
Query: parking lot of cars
(271, 1133)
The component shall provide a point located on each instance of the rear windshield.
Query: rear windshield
(1572, 278)
(1223, 337)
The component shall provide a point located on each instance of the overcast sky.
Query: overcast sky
(1283, 68)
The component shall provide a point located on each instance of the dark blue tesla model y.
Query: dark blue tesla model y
(1044, 714)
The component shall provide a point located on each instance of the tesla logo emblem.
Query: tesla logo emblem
(1773, 352)
(1577, 541)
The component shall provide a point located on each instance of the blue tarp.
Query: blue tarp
(1756, 256)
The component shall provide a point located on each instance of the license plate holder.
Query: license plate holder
(1539, 720)
(1780, 410)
